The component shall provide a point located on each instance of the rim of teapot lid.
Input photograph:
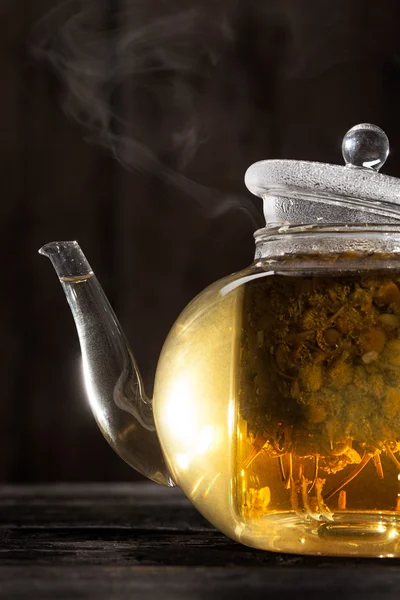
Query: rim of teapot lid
(365, 148)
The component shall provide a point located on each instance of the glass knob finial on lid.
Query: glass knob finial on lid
(365, 146)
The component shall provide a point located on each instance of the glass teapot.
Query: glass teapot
(276, 404)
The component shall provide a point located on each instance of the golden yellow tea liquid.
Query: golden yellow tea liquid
(319, 406)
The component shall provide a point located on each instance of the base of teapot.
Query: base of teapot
(368, 534)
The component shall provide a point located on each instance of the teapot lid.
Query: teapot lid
(303, 192)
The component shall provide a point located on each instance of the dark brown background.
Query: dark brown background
(290, 82)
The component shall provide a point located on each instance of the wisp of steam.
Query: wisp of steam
(144, 77)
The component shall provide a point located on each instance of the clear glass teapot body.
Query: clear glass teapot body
(277, 395)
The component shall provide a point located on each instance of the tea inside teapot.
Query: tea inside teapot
(319, 392)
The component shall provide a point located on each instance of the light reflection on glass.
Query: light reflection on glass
(197, 485)
(180, 412)
(231, 416)
(205, 439)
(211, 485)
(95, 400)
(183, 460)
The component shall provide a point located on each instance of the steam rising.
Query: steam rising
(144, 78)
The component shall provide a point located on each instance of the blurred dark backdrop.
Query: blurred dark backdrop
(186, 94)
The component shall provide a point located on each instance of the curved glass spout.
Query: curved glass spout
(112, 379)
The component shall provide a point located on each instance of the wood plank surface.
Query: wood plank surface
(143, 541)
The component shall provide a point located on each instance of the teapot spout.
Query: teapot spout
(113, 383)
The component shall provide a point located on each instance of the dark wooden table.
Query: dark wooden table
(143, 541)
